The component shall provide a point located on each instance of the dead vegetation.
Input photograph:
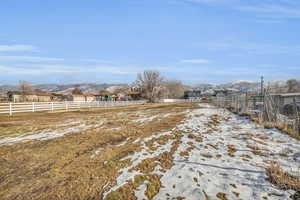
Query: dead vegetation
(53, 169)
(222, 196)
(280, 126)
(231, 150)
(127, 191)
(147, 166)
(256, 150)
(282, 179)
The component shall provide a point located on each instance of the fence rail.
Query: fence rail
(265, 109)
(10, 108)
(180, 100)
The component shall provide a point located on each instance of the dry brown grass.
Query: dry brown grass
(256, 150)
(246, 156)
(206, 155)
(147, 166)
(214, 146)
(283, 180)
(280, 126)
(187, 151)
(127, 191)
(222, 196)
(231, 150)
(62, 168)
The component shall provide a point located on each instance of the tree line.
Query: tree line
(150, 84)
(153, 86)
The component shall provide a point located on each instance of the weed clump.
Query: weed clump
(283, 180)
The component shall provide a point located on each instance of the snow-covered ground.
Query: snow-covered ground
(229, 163)
(76, 126)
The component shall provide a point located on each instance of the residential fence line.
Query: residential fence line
(180, 100)
(11, 108)
(264, 108)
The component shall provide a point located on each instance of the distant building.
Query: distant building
(134, 93)
(59, 97)
(76, 97)
(31, 96)
(286, 98)
(103, 95)
(192, 94)
(90, 98)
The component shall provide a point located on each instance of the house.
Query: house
(59, 97)
(134, 93)
(286, 98)
(90, 98)
(76, 97)
(286, 102)
(103, 95)
(192, 94)
(3, 97)
(31, 96)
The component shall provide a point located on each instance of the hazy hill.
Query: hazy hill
(85, 87)
(243, 85)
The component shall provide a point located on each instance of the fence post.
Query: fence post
(66, 104)
(52, 107)
(32, 106)
(10, 108)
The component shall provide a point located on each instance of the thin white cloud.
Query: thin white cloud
(265, 9)
(41, 69)
(65, 69)
(8, 48)
(29, 58)
(92, 60)
(254, 48)
(274, 11)
(196, 61)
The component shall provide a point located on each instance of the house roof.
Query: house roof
(77, 95)
(34, 92)
(291, 94)
(103, 92)
(133, 92)
(287, 94)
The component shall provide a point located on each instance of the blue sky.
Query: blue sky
(196, 41)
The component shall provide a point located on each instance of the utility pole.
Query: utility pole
(262, 86)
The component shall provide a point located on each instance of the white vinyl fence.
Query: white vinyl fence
(10, 108)
(180, 100)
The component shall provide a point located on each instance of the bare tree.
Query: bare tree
(150, 83)
(293, 85)
(77, 90)
(174, 89)
(121, 89)
(25, 87)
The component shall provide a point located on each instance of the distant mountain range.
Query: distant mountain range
(90, 88)
(93, 88)
(242, 85)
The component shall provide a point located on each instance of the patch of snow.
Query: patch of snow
(123, 143)
(47, 135)
(136, 158)
(140, 192)
(115, 129)
(96, 152)
(143, 119)
(197, 176)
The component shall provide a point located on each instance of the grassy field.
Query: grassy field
(85, 155)
(152, 151)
